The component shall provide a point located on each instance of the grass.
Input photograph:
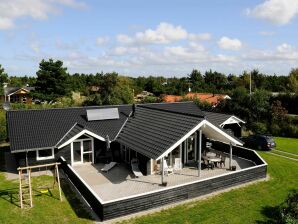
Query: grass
(282, 153)
(47, 208)
(287, 144)
(256, 203)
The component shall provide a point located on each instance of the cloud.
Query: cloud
(199, 37)
(122, 38)
(164, 33)
(102, 40)
(278, 12)
(12, 10)
(229, 44)
(284, 48)
(283, 53)
(266, 33)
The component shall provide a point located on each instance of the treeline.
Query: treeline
(263, 111)
(53, 73)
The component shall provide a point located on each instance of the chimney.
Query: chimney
(133, 110)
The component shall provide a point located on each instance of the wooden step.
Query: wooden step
(25, 194)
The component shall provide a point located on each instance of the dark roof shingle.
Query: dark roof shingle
(31, 129)
(151, 132)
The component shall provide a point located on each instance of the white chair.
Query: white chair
(108, 166)
(166, 168)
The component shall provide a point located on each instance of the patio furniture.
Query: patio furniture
(166, 168)
(108, 166)
(135, 168)
(222, 161)
(211, 160)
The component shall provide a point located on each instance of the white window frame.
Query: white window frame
(82, 150)
(38, 158)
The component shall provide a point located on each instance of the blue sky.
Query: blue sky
(169, 37)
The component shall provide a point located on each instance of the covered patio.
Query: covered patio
(120, 182)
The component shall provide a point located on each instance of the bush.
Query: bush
(3, 134)
(286, 128)
(288, 210)
(259, 127)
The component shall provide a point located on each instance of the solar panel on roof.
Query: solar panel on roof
(102, 114)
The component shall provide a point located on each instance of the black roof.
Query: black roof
(152, 129)
(217, 118)
(32, 129)
(10, 90)
(151, 132)
(186, 108)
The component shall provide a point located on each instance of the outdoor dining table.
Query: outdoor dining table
(211, 159)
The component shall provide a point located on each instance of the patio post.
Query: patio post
(162, 170)
(231, 152)
(200, 152)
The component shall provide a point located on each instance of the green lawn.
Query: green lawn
(255, 203)
(47, 209)
(287, 144)
(252, 204)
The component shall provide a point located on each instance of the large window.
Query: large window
(44, 154)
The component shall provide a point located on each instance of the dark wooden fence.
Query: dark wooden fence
(239, 151)
(85, 191)
(125, 206)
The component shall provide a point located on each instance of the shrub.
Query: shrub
(288, 210)
(3, 134)
(259, 127)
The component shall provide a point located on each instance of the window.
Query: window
(44, 154)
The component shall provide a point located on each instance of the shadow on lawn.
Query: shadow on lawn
(10, 195)
(271, 213)
(74, 201)
(3, 149)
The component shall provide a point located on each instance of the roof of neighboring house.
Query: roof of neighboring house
(33, 129)
(151, 130)
(217, 118)
(186, 107)
(211, 98)
(171, 98)
(11, 90)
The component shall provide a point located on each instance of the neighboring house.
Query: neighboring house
(94, 89)
(213, 99)
(141, 96)
(231, 123)
(164, 138)
(17, 95)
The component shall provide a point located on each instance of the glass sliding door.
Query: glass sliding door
(82, 151)
(191, 149)
(87, 151)
(77, 155)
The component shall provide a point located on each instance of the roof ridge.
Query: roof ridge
(179, 102)
(68, 108)
(170, 111)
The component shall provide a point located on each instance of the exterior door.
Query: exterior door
(82, 151)
(190, 149)
(76, 155)
(87, 151)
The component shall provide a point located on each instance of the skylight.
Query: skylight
(102, 114)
